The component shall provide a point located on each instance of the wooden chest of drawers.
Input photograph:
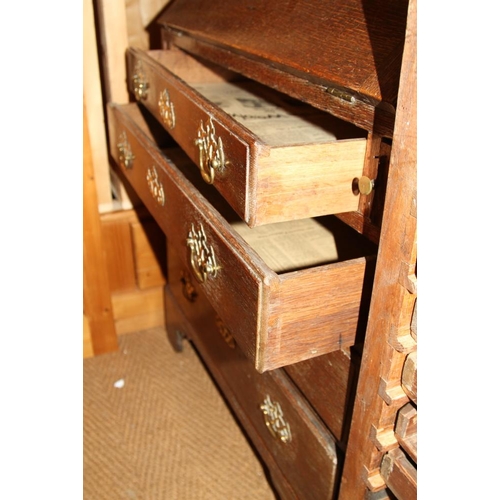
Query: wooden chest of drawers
(289, 291)
(258, 158)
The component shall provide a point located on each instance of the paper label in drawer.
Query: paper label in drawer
(277, 121)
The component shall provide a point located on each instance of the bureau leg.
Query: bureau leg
(175, 337)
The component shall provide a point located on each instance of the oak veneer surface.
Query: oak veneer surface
(352, 48)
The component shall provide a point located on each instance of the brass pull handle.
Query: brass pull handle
(201, 256)
(139, 82)
(125, 155)
(211, 151)
(363, 185)
(275, 421)
(167, 111)
(155, 186)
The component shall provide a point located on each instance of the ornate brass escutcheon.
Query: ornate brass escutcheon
(125, 155)
(275, 422)
(155, 185)
(167, 111)
(140, 85)
(225, 333)
(211, 151)
(201, 256)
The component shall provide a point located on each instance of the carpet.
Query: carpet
(156, 428)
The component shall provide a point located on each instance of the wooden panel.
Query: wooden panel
(149, 248)
(114, 33)
(138, 310)
(117, 245)
(96, 292)
(284, 39)
(400, 475)
(326, 382)
(285, 193)
(95, 110)
(140, 321)
(406, 430)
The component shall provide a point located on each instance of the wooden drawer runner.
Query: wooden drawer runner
(272, 158)
(289, 291)
(290, 438)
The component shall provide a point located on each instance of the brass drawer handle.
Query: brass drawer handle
(140, 84)
(275, 421)
(167, 111)
(211, 151)
(125, 155)
(363, 185)
(201, 256)
(155, 186)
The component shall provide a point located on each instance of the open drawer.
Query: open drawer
(272, 158)
(288, 291)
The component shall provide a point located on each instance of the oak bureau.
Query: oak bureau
(261, 138)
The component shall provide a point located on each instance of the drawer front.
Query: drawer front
(290, 438)
(140, 161)
(195, 126)
(278, 318)
(326, 382)
(250, 142)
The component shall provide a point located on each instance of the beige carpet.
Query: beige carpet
(166, 433)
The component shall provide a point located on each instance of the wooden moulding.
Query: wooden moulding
(409, 376)
(305, 170)
(406, 430)
(399, 474)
